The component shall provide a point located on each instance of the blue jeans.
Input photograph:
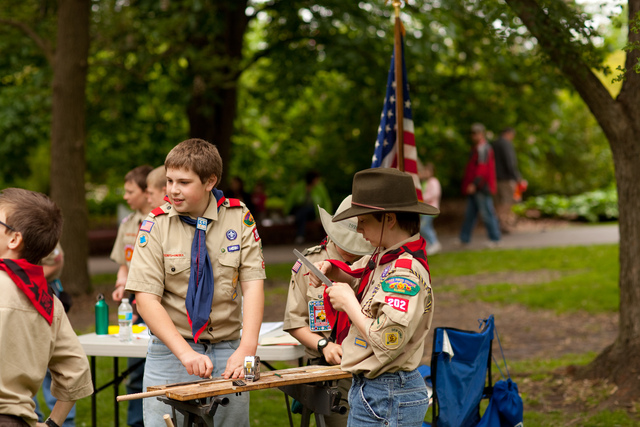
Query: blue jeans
(163, 367)
(397, 399)
(426, 229)
(70, 421)
(483, 204)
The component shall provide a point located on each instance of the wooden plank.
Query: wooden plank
(268, 379)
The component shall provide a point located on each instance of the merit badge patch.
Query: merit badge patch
(202, 224)
(360, 342)
(234, 296)
(400, 304)
(296, 266)
(379, 322)
(128, 252)
(318, 317)
(231, 234)
(256, 236)
(146, 226)
(143, 239)
(400, 285)
(233, 248)
(392, 337)
(248, 220)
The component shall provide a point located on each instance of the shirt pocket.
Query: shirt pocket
(177, 271)
(227, 270)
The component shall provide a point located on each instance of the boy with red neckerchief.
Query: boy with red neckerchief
(199, 251)
(35, 333)
(389, 315)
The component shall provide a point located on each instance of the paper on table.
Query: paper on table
(280, 339)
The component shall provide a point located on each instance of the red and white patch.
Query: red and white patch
(397, 303)
(256, 236)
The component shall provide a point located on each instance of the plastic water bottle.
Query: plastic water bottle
(125, 319)
(102, 316)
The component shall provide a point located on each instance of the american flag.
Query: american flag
(385, 154)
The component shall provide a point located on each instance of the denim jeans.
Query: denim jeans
(163, 367)
(426, 229)
(70, 421)
(397, 399)
(483, 204)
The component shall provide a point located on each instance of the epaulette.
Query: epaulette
(403, 263)
(312, 250)
(231, 203)
(158, 211)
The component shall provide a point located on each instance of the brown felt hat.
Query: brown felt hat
(384, 190)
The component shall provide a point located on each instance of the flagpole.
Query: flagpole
(399, 86)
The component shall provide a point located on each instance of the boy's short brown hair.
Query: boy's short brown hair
(139, 176)
(198, 156)
(407, 221)
(36, 217)
(157, 178)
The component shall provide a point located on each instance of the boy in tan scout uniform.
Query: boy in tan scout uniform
(35, 333)
(391, 311)
(201, 252)
(305, 317)
(135, 186)
(156, 187)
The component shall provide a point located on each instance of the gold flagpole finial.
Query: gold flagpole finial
(396, 5)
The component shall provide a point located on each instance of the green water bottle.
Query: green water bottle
(102, 316)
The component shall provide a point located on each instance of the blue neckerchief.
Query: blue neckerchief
(200, 291)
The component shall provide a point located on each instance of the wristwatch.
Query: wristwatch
(49, 422)
(322, 343)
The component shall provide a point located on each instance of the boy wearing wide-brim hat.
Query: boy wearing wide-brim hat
(305, 315)
(391, 310)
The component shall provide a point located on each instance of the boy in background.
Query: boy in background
(195, 260)
(135, 194)
(305, 316)
(35, 333)
(157, 187)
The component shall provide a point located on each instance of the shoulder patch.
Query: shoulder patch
(400, 285)
(127, 218)
(248, 219)
(146, 225)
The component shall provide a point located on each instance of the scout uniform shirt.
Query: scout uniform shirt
(399, 304)
(161, 264)
(126, 240)
(28, 345)
(305, 303)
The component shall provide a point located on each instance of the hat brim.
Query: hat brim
(346, 238)
(355, 210)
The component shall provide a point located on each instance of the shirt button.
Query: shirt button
(210, 329)
(168, 207)
(173, 269)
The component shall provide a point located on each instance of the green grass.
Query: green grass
(588, 282)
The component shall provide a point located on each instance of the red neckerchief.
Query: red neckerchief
(341, 324)
(30, 279)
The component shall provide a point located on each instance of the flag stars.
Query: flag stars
(392, 99)
(407, 104)
(387, 128)
(389, 113)
(385, 142)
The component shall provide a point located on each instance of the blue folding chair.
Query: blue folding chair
(460, 374)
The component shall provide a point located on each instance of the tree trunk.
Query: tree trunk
(68, 138)
(620, 121)
(213, 106)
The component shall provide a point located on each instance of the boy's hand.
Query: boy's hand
(332, 353)
(197, 364)
(235, 363)
(342, 296)
(118, 293)
(324, 267)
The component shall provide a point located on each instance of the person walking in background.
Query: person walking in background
(508, 177)
(302, 201)
(479, 184)
(431, 194)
